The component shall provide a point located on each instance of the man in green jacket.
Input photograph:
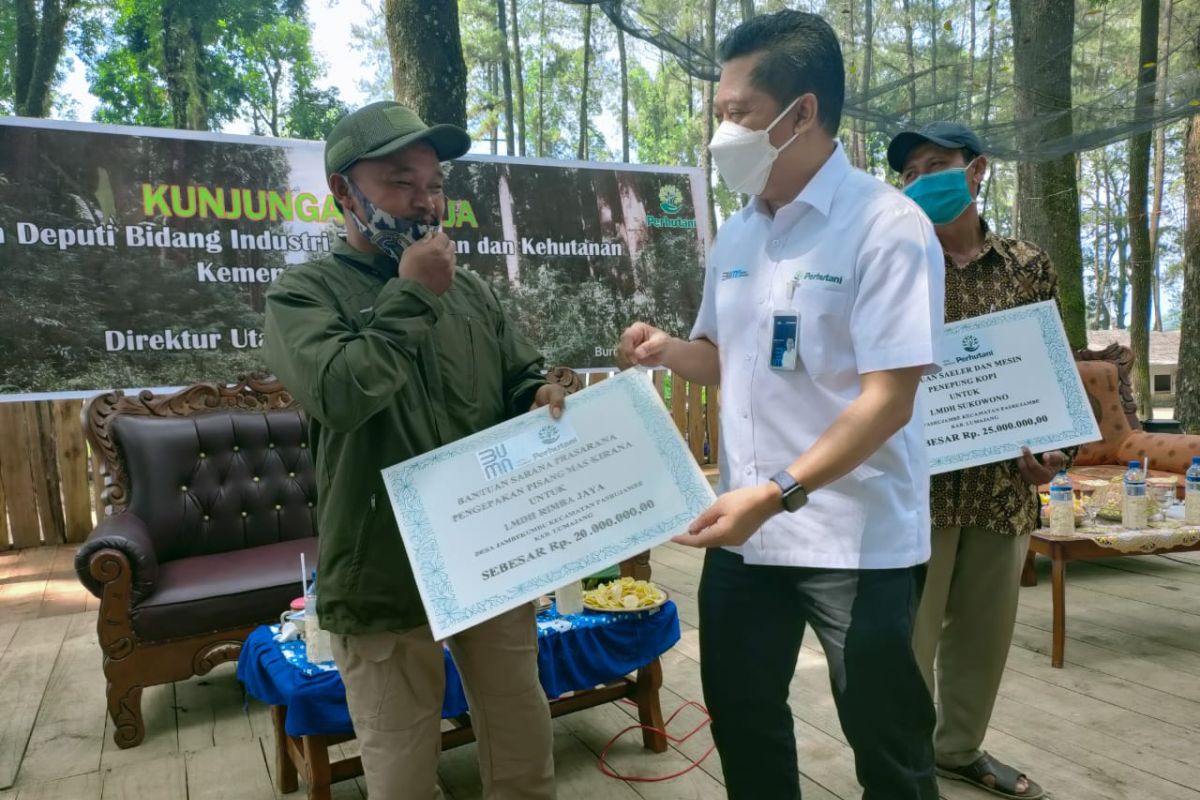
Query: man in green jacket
(392, 352)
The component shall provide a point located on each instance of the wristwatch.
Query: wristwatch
(795, 497)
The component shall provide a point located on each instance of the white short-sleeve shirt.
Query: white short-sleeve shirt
(868, 282)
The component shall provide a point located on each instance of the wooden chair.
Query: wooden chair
(210, 501)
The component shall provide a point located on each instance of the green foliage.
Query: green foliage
(249, 59)
(8, 54)
(665, 130)
(370, 41)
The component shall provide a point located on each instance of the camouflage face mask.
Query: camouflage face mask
(390, 234)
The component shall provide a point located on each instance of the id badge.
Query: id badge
(785, 339)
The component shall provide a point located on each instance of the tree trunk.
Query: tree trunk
(510, 138)
(691, 90)
(934, 24)
(991, 65)
(1104, 317)
(1097, 257)
(541, 103)
(710, 47)
(1160, 152)
(582, 152)
(747, 10)
(27, 43)
(428, 70)
(183, 56)
(971, 74)
(519, 65)
(494, 91)
(1141, 268)
(1047, 191)
(861, 153)
(1122, 276)
(1187, 391)
(1114, 215)
(849, 51)
(274, 77)
(624, 95)
(910, 52)
(39, 45)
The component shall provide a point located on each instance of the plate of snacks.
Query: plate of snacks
(624, 596)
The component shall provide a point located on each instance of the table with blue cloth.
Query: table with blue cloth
(584, 660)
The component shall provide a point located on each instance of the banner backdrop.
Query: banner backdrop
(139, 258)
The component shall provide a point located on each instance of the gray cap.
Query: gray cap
(951, 135)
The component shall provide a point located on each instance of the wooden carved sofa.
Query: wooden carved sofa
(1106, 379)
(210, 499)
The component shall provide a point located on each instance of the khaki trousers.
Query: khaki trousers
(965, 623)
(395, 684)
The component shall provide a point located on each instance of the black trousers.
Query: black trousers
(752, 619)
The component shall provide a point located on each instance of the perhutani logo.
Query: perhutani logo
(970, 344)
(548, 434)
(670, 200)
(729, 275)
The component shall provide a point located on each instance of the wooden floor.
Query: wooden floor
(1122, 720)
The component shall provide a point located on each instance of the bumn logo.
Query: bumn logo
(670, 199)
(495, 461)
(970, 344)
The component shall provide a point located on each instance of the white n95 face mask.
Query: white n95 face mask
(744, 157)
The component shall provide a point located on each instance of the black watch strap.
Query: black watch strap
(794, 495)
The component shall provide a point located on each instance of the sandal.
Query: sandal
(1005, 778)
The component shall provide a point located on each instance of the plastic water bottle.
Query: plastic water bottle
(1191, 503)
(316, 640)
(1062, 505)
(1133, 513)
(569, 599)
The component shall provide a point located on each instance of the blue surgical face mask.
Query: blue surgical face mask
(943, 196)
(390, 234)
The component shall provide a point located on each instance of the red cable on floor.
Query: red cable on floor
(604, 768)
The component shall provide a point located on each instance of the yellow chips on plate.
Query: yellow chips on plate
(624, 594)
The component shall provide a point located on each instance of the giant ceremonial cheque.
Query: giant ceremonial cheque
(1007, 380)
(497, 519)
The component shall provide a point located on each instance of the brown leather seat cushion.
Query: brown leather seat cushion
(223, 591)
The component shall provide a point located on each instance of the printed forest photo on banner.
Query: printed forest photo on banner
(137, 259)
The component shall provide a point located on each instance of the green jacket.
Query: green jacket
(385, 371)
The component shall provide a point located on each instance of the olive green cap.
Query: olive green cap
(383, 128)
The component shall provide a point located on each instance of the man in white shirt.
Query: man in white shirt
(823, 516)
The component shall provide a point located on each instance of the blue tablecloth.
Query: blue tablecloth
(574, 653)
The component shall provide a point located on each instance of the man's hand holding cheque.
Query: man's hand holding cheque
(551, 395)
